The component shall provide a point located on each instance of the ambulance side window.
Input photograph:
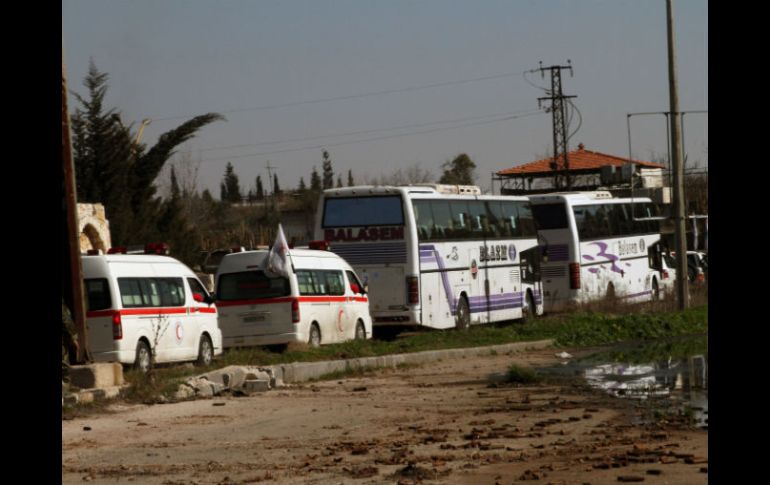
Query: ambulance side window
(196, 287)
(335, 285)
(98, 292)
(151, 292)
(171, 291)
(305, 283)
(353, 280)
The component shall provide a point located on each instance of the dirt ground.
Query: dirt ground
(443, 423)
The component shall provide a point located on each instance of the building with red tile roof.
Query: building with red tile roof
(588, 170)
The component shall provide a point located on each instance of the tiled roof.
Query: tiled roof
(580, 159)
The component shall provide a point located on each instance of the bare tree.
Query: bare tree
(186, 169)
(413, 174)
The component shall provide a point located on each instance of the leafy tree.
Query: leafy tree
(350, 178)
(339, 182)
(230, 189)
(113, 168)
(328, 181)
(302, 186)
(459, 171)
(276, 187)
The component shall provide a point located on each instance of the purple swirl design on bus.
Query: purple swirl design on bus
(603, 253)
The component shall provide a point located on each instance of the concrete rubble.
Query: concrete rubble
(246, 380)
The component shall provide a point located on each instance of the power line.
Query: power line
(353, 96)
(362, 132)
(316, 147)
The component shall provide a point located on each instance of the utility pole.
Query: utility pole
(678, 169)
(560, 161)
(270, 178)
(72, 278)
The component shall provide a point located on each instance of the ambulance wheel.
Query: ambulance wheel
(315, 336)
(143, 361)
(360, 331)
(463, 316)
(205, 351)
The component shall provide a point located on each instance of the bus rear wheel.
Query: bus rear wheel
(655, 290)
(529, 312)
(463, 316)
(610, 293)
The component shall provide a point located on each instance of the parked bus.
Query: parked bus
(438, 256)
(595, 246)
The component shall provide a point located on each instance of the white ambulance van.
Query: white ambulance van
(145, 309)
(321, 302)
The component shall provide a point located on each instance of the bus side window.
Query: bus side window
(479, 224)
(511, 214)
(492, 228)
(525, 220)
(602, 222)
(460, 218)
(442, 218)
(423, 216)
(617, 220)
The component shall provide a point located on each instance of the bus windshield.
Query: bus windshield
(363, 211)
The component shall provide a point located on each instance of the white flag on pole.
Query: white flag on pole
(277, 258)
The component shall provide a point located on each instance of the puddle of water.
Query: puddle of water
(674, 370)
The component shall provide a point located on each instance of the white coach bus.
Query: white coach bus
(595, 246)
(439, 256)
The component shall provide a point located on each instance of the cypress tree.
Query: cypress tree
(231, 189)
(260, 189)
(328, 180)
(315, 181)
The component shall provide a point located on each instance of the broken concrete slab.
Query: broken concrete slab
(97, 376)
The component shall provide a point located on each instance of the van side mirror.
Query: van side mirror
(198, 297)
(355, 288)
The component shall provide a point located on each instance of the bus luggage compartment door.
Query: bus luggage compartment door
(387, 287)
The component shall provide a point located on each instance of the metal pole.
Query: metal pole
(668, 149)
(679, 217)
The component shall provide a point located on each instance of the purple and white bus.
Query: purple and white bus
(595, 246)
(439, 256)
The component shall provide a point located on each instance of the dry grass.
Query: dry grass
(619, 306)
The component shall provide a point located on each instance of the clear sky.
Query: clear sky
(389, 84)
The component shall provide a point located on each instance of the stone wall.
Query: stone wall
(94, 228)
